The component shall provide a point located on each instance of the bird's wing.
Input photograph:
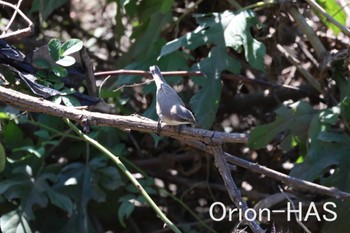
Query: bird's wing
(180, 113)
(171, 95)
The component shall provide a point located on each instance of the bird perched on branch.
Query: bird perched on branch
(170, 108)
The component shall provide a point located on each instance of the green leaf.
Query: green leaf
(58, 85)
(57, 99)
(60, 200)
(70, 101)
(54, 47)
(83, 182)
(70, 46)
(238, 34)
(41, 74)
(125, 209)
(12, 135)
(42, 63)
(327, 150)
(45, 8)
(38, 152)
(6, 116)
(28, 189)
(14, 221)
(68, 91)
(42, 133)
(334, 10)
(2, 158)
(166, 6)
(227, 29)
(60, 71)
(293, 120)
(110, 178)
(66, 61)
(53, 78)
(149, 31)
(206, 102)
(345, 108)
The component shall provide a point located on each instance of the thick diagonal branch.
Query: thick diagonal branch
(231, 187)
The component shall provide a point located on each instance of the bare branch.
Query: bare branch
(134, 122)
(148, 74)
(231, 187)
(289, 180)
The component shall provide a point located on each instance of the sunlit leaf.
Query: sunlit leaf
(334, 10)
(14, 221)
(66, 61)
(71, 46)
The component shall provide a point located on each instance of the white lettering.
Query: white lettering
(222, 208)
(312, 211)
(298, 212)
(333, 213)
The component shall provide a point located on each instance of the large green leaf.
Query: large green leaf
(328, 161)
(326, 150)
(227, 29)
(83, 183)
(333, 9)
(12, 135)
(126, 208)
(147, 34)
(60, 200)
(54, 47)
(30, 190)
(238, 34)
(292, 119)
(206, 102)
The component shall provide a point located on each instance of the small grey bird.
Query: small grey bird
(170, 108)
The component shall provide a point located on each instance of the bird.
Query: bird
(170, 108)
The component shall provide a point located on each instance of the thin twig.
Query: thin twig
(289, 180)
(147, 73)
(302, 225)
(12, 18)
(188, 10)
(22, 32)
(301, 69)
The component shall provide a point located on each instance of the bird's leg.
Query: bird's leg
(158, 127)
